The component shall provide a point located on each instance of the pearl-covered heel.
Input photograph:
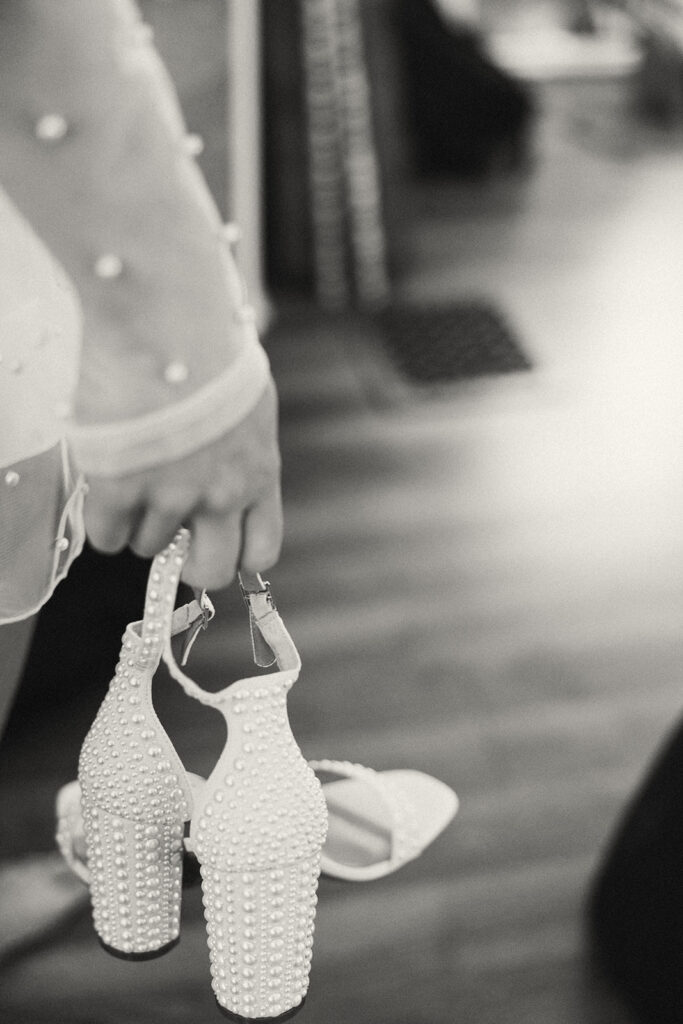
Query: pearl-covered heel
(135, 883)
(260, 934)
(258, 829)
(135, 796)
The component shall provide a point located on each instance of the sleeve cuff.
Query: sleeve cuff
(178, 430)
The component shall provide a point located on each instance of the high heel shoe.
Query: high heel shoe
(135, 796)
(258, 829)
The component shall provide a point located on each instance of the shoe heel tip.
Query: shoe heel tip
(238, 1019)
(150, 954)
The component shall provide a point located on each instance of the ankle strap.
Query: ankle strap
(271, 643)
(162, 587)
(268, 633)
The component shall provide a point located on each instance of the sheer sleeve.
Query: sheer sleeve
(95, 156)
(41, 497)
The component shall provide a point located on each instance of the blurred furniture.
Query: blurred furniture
(326, 219)
(467, 115)
(358, 98)
(661, 77)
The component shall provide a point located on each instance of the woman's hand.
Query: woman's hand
(227, 494)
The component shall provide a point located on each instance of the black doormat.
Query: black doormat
(465, 339)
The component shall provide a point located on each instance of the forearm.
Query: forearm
(120, 182)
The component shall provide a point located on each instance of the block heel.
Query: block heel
(260, 935)
(135, 883)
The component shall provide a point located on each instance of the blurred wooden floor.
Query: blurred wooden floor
(485, 585)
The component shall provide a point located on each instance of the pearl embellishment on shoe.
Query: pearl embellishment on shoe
(12, 478)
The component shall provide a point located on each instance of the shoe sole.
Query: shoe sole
(149, 954)
(287, 1015)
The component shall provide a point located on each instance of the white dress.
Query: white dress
(41, 497)
(203, 369)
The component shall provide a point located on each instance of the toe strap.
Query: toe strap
(406, 841)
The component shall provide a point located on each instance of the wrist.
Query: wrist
(166, 434)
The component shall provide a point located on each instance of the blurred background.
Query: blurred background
(462, 229)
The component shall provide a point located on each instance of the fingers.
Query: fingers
(109, 519)
(130, 512)
(262, 533)
(220, 542)
(223, 543)
(227, 493)
(214, 550)
(119, 514)
(157, 529)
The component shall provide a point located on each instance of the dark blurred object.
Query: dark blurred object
(660, 77)
(468, 116)
(288, 241)
(324, 166)
(636, 906)
(77, 640)
(465, 339)
(582, 17)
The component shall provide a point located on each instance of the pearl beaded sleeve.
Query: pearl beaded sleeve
(172, 432)
(126, 264)
(98, 159)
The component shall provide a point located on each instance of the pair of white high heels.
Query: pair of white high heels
(259, 823)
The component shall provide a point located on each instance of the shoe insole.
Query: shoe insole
(359, 824)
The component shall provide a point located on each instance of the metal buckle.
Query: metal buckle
(253, 585)
(201, 622)
(208, 610)
(248, 589)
